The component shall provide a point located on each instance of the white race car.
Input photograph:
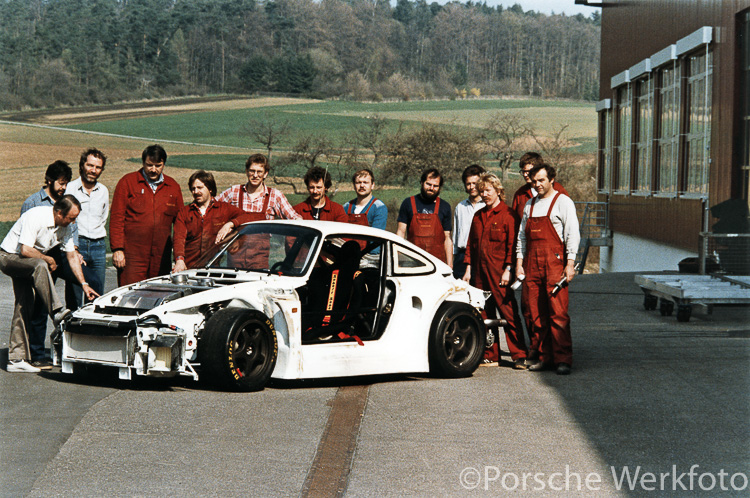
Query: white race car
(286, 300)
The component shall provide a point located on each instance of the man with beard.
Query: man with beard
(426, 221)
(318, 206)
(56, 180)
(366, 210)
(92, 221)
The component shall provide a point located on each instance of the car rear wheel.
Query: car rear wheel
(457, 339)
(238, 349)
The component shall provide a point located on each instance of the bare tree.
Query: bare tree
(372, 136)
(267, 131)
(502, 137)
(576, 174)
(305, 153)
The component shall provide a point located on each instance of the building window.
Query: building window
(744, 44)
(700, 69)
(669, 129)
(644, 119)
(605, 151)
(622, 147)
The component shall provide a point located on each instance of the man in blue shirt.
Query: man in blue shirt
(365, 209)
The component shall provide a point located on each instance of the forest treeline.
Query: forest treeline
(68, 52)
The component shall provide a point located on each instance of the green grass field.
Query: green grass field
(335, 119)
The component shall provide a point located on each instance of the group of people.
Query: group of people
(61, 234)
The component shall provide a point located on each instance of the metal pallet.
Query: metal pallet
(686, 290)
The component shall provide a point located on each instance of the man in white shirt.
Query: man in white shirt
(462, 216)
(25, 257)
(548, 241)
(92, 221)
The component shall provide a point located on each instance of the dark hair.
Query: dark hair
(206, 178)
(154, 152)
(257, 159)
(531, 158)
(315, 174)
(58, 169)
(473, 170)
(64, 204)
(431, 173)
(91, 152)
(363, 172)
(544, 166)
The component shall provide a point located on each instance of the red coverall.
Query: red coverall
(491, 249)
(141, 226)
(253, 250)
(426, 231)
(361, 218)
(332, 211)
(520, 198)
(195, 234)
(544, 265)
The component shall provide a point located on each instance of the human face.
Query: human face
(256, 174)
(525, 169)
(363, 186)
(201, 194)
(489, 195)
(431, 188)
(63, 221)
(153, 168)
(56, 189)
(470, 185)
(317, 190)
(542, 184)
(91, 169)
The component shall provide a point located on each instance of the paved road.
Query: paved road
(645, 391)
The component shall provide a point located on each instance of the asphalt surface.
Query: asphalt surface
(647, 394)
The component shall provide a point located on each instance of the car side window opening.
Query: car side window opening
(340, 300)
(407, 262)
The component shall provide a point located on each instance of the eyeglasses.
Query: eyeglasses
(255, 173)
(525, 171)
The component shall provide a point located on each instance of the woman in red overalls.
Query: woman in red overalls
(489, 255)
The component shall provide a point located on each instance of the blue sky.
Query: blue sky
(568, 7)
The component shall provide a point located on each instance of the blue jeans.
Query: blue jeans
(94, 253)
(459, 267)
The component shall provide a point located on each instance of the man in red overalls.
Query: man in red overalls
(318, 206)
(144, 206)
(202, 224)
(366, 210)
(547, 244)
(489, 260)
(426, 221)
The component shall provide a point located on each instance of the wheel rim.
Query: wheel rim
(249, 350)
(460, 340)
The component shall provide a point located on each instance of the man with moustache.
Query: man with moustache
(318, 206)
(56, 179)
(202, 223)
(548, 241)
(366, 210)
(92, 221)
(527, 162)
(425, 220)
(144, 206)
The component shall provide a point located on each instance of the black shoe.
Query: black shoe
(540, 366)
(43, 364)
(563, 369)
(519, 364)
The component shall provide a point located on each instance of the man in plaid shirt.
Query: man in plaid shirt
(267, 203)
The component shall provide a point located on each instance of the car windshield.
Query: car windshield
(265, 247)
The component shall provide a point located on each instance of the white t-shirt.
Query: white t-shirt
(36, 228)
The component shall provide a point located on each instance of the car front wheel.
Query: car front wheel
(457, 339)
(238, 349)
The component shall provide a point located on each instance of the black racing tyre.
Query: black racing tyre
(457, 339)
(238, 349)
